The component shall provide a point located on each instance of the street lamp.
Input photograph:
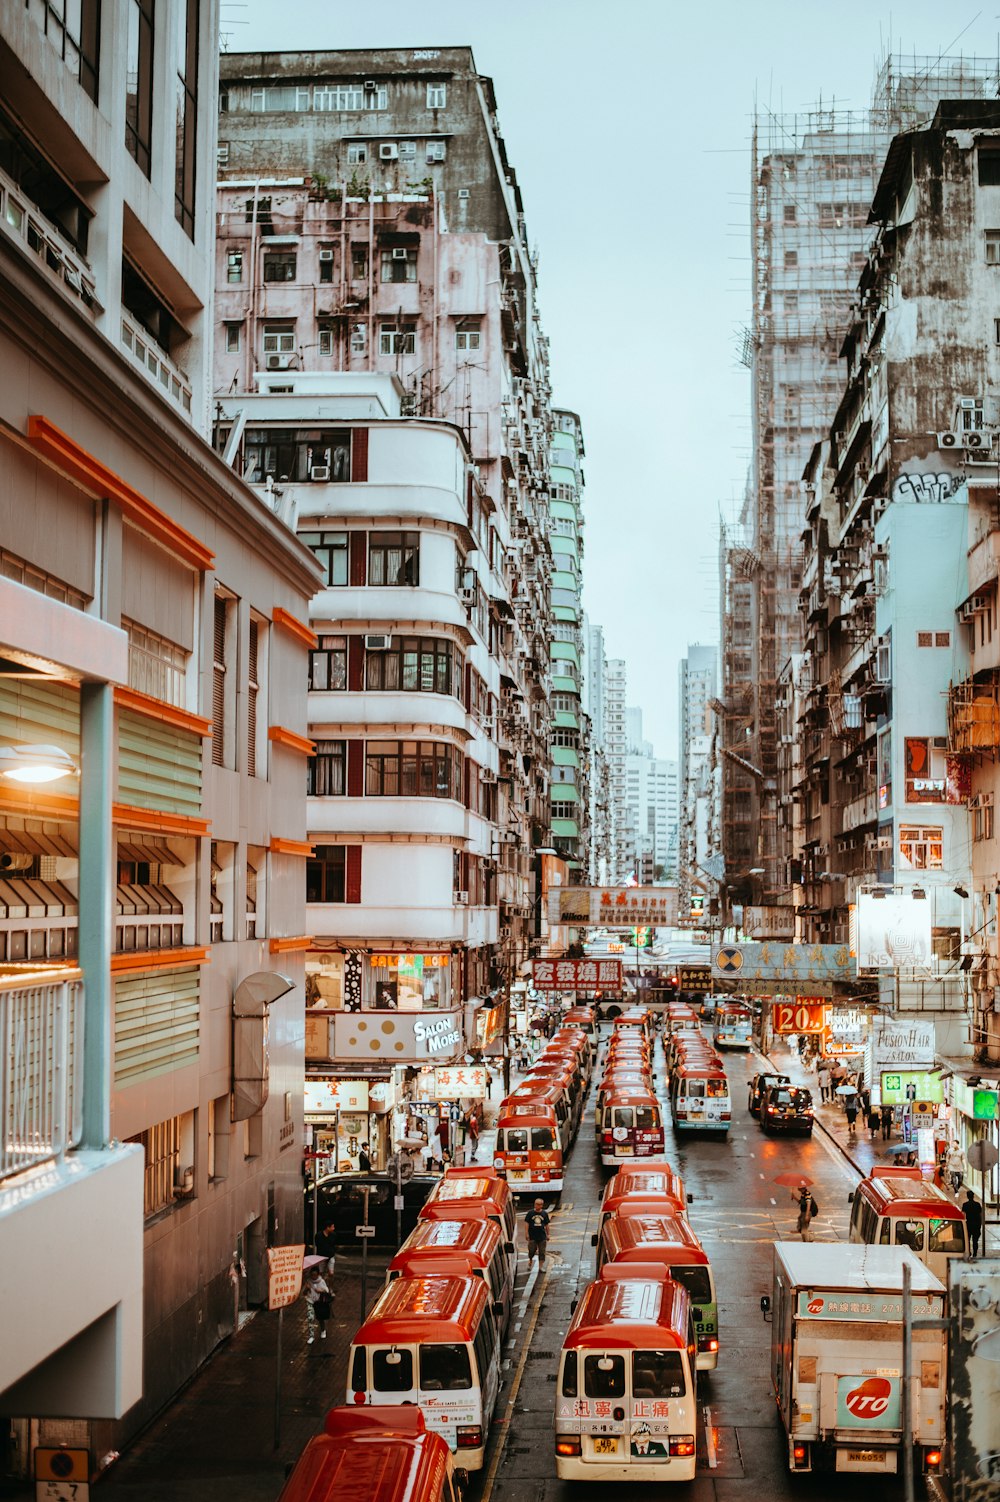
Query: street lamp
(36, 764)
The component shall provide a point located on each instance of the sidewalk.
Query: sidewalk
(859, 1150)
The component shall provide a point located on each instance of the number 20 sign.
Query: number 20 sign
(799, 1016)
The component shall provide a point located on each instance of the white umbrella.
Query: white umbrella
(846, 1090)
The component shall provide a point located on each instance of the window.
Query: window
(920, 847)
(74, 31)
(326, 341)
(279, 266)
(278, 339)
(789, 213)
(407, 151)
(791, 258)
(992, 239)
(139, 82)
(326, 874)
(467, 334)
(331, 549)
(156, 666)
(328, 660)
(256, 891)
(397, 339)
(570, 1378)
(223, 864)
(414, 664)
(279, 97)
(437, 96)
(982, 818)
(233, 340)
(223, 681)
(996, 331)
(168, 1150)
(989, 167)
(359, 338)
(412, 769)
(256, 732)
(218, 1137)
(234, 266)
(399, 263)
(394, 558)
(328, 770)
(444, 1368)
(392, 1371)
(297, 454)
(259, 209)
(357, 153)
(186, 119)
(326, 264)
(350, 96)
(436, 151)
(562, 810)
(604, 1376)
(657, 1374)
(926, 771)
(359, 263)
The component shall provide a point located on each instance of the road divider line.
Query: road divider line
(713, 1459)
(514, 1388)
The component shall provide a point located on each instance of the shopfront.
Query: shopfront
(440, 1103)
(344, 1113)
(976, 1119)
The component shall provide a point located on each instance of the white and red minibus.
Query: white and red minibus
(657, 1190)
(476, 1247)
(485, 1196)
(529, 1151)
(626, 1397)
(631, 1125)
(384, 1454)
(433, 1342)
(635, 1234)
(901, 1212)
(699, 1096)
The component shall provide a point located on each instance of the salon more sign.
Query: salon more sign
(398, 1037)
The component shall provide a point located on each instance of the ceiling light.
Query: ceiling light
(35, 763)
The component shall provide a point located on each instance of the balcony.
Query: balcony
(974, 718)
(859, 812)
(72, 1347)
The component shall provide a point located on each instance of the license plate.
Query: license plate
(623, 1152)
(867, 1457)
(605, 1445)
(517, 1176)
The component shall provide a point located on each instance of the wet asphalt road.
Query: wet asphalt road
(738, 1212)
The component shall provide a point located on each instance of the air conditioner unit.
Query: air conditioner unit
(278, 362)
(503, 935)
(488, 775)
(467, 596)
(319, 472)
(462, 898)
(948, 440)
(399, 253)
(326, 255)
(377, 641)
(487, 725)
(388, 151)
(975, 438)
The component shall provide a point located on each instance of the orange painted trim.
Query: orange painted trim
(35, 803)
(156, 821)
(289, 738)
(278, 846)
(158, 959)
(286, 946)
(47, 975)
(156, 709)
(291, 623)
(95, 477)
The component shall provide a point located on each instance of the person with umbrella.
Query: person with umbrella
(808, 1210)
(319, 1303)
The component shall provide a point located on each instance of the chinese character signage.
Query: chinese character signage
(974, 1101)
(284, 1275)
(803, 1015)
(894, 931)
(458, 1081)
(578, 975)
(324, 1097)
(901, 1087)
(811, 966)
(614, 907)
(855, 1305)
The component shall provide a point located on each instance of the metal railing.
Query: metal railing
(41, 1066)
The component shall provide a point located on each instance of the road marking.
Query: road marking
(514, 1386)
(713, 1459)
(760, 1176)
(774, 1202)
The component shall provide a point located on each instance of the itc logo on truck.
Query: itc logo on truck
(815, 1306)
(870, 1400)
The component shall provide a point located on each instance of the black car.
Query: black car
(758, 1085)
(786, 1108)
(342, 1205)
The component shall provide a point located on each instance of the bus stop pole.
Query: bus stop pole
(364, 1259)
(399, 1198)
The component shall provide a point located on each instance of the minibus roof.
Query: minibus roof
(470, 1171)
(644, 1234)
(527, 1113)
(371, 1454)
(634, 1313)
(475, 1239)
(650, 1184)
(709, 1064)
(418, 1310)
(629, 1095)
(905, 1197)
(455, 1199)
(540, 1092)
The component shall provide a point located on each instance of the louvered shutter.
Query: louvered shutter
(252, 686)
(219, 683)
(359, 453)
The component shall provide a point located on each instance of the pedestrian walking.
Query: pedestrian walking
(955, 1167)
(823, 1080)
(808, 1210)
(537, 1226)
(887, 1114)
(851, 1112)
(319, 1304)
(874, 1122)
(973, 1212)
(326, 1246)
(473, 1130)
(364, 1159)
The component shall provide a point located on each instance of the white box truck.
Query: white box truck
(837, 1357)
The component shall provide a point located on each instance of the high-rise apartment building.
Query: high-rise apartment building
(570, 755)
(602, 827)
(698, 680)
(153, 637)
(616, 750)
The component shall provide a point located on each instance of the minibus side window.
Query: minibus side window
(946, 1236)
(657, 1374)
(621, 1116)
(869, 1222)
(358, 1377)
(444, 1368)
(392, 1371)
(696, 1089)
(604, 1376)
(646, 1118)
(517, 1139)
(481, 1348)
(696, 1280)
(570, 1378)
(497, 1275)
(910, 1233)
(542, 1139)
(885, 1231)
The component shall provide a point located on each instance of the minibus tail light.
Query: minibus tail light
(932, 1460)
(568, 1444)
(469, 1436)
(800, 1457)
(682, 1444)
(707, 1343)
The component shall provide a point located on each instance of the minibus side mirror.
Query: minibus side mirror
(508, 1247)
(593, 1239)
(850, 1198)
(572, 1307)
(765, 1305)
(498, 1307)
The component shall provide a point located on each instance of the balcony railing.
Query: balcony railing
(41, 1054)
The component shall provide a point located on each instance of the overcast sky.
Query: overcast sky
(628, 124)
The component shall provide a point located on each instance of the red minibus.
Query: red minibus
(626, 1400)
(529, 1151)
(631, 1125)
(658, 1190)
(901, 1212)
(554, 1093)
(486, 1196)
(699, 1096)
(636, 1234)
(582, 1017)
(384, 1454)
(618, 1079)
(433, 1342)
(476, 1247)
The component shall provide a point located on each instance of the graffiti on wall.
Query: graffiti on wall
(937, 485)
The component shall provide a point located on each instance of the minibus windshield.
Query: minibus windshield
(604, 1376)
(392, 1371)
(696, 1280)
(946, 1236)
(542, 1140)
(444, 1368)
(657, 1374)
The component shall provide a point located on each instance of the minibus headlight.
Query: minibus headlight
(568, 1444)
(469, 1436)
(682, 1444)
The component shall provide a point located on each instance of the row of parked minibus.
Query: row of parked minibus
(699, 1088)
(538, 1122)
